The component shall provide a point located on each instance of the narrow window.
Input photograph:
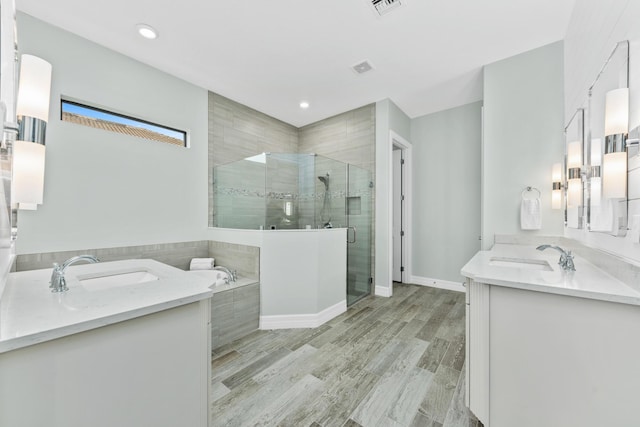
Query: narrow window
(99, 118)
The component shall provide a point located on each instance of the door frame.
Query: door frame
(407, 154)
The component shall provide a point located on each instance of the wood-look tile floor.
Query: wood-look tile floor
(395, 361)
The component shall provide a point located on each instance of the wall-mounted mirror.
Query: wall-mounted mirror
(8, 77)
(573, 170)
(608, 113)
(633, 183)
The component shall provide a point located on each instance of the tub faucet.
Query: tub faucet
(58, 283)
(566, 259)
(231, 275)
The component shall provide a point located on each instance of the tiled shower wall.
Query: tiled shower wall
(348, 137)
(237, 131)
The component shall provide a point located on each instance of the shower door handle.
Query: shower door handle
(354, 235)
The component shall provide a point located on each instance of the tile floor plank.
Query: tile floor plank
(395, 361)
(257, 366)
(432, 357)
(437, 401)
(375, 406)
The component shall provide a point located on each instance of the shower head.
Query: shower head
(324, 179)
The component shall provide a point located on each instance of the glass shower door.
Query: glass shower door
(359, 209)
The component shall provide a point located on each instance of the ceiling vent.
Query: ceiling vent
(362, 67)
(382, 7)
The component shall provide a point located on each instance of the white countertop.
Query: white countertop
(587, 281)
(30, 313)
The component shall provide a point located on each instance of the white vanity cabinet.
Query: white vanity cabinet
(138, 355)
(559, 358)
(477, 356)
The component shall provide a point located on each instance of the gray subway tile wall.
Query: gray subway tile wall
(245, 259)
(237, 131)
(175, 254)
(234, 314)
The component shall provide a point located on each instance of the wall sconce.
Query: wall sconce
(574, 174)
(616, 127)
(32, 109)
(556, 192)
(595, 174)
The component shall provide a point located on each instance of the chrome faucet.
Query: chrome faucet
(231, 275)
(566, 259)
(58, 283)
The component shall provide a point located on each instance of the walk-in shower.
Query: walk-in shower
(300, 191)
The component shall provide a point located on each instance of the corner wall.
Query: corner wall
(446, 192)
(523, 138)
(104, 189)
(388, 118)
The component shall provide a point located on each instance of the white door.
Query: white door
(397, 215)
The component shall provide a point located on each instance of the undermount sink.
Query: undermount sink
(529, 264)
(110, 280)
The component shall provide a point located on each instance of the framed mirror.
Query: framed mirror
(8, 92)
(573, 171)
(608, 117)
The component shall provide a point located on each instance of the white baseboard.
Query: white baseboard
(383, 291)
(435, 283)
(293, 321)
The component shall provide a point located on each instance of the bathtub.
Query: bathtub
(217, 285)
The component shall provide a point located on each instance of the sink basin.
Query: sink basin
(110, 280)
(529, 264)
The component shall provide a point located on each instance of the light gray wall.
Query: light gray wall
(586, 51)
(388, 118)
(523, 137)
(446, 191)
(104, 189)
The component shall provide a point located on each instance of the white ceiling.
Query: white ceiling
(270, 55)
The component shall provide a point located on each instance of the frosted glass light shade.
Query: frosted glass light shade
(28, 173)
(556, 179)
(574, 193)
(574, 154)
(556, 199)
(34, 90)
(596, 191)
(616, 112)
(614, 175)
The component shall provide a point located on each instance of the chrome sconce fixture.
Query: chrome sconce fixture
(32, 110)
(556, 186)
(574, 174)
(616, 127)
(595, 172)
(574, 170)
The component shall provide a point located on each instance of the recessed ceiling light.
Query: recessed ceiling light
(304, 105)
(147, 31)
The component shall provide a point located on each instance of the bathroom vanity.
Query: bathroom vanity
(547, 347)
(127, 345)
